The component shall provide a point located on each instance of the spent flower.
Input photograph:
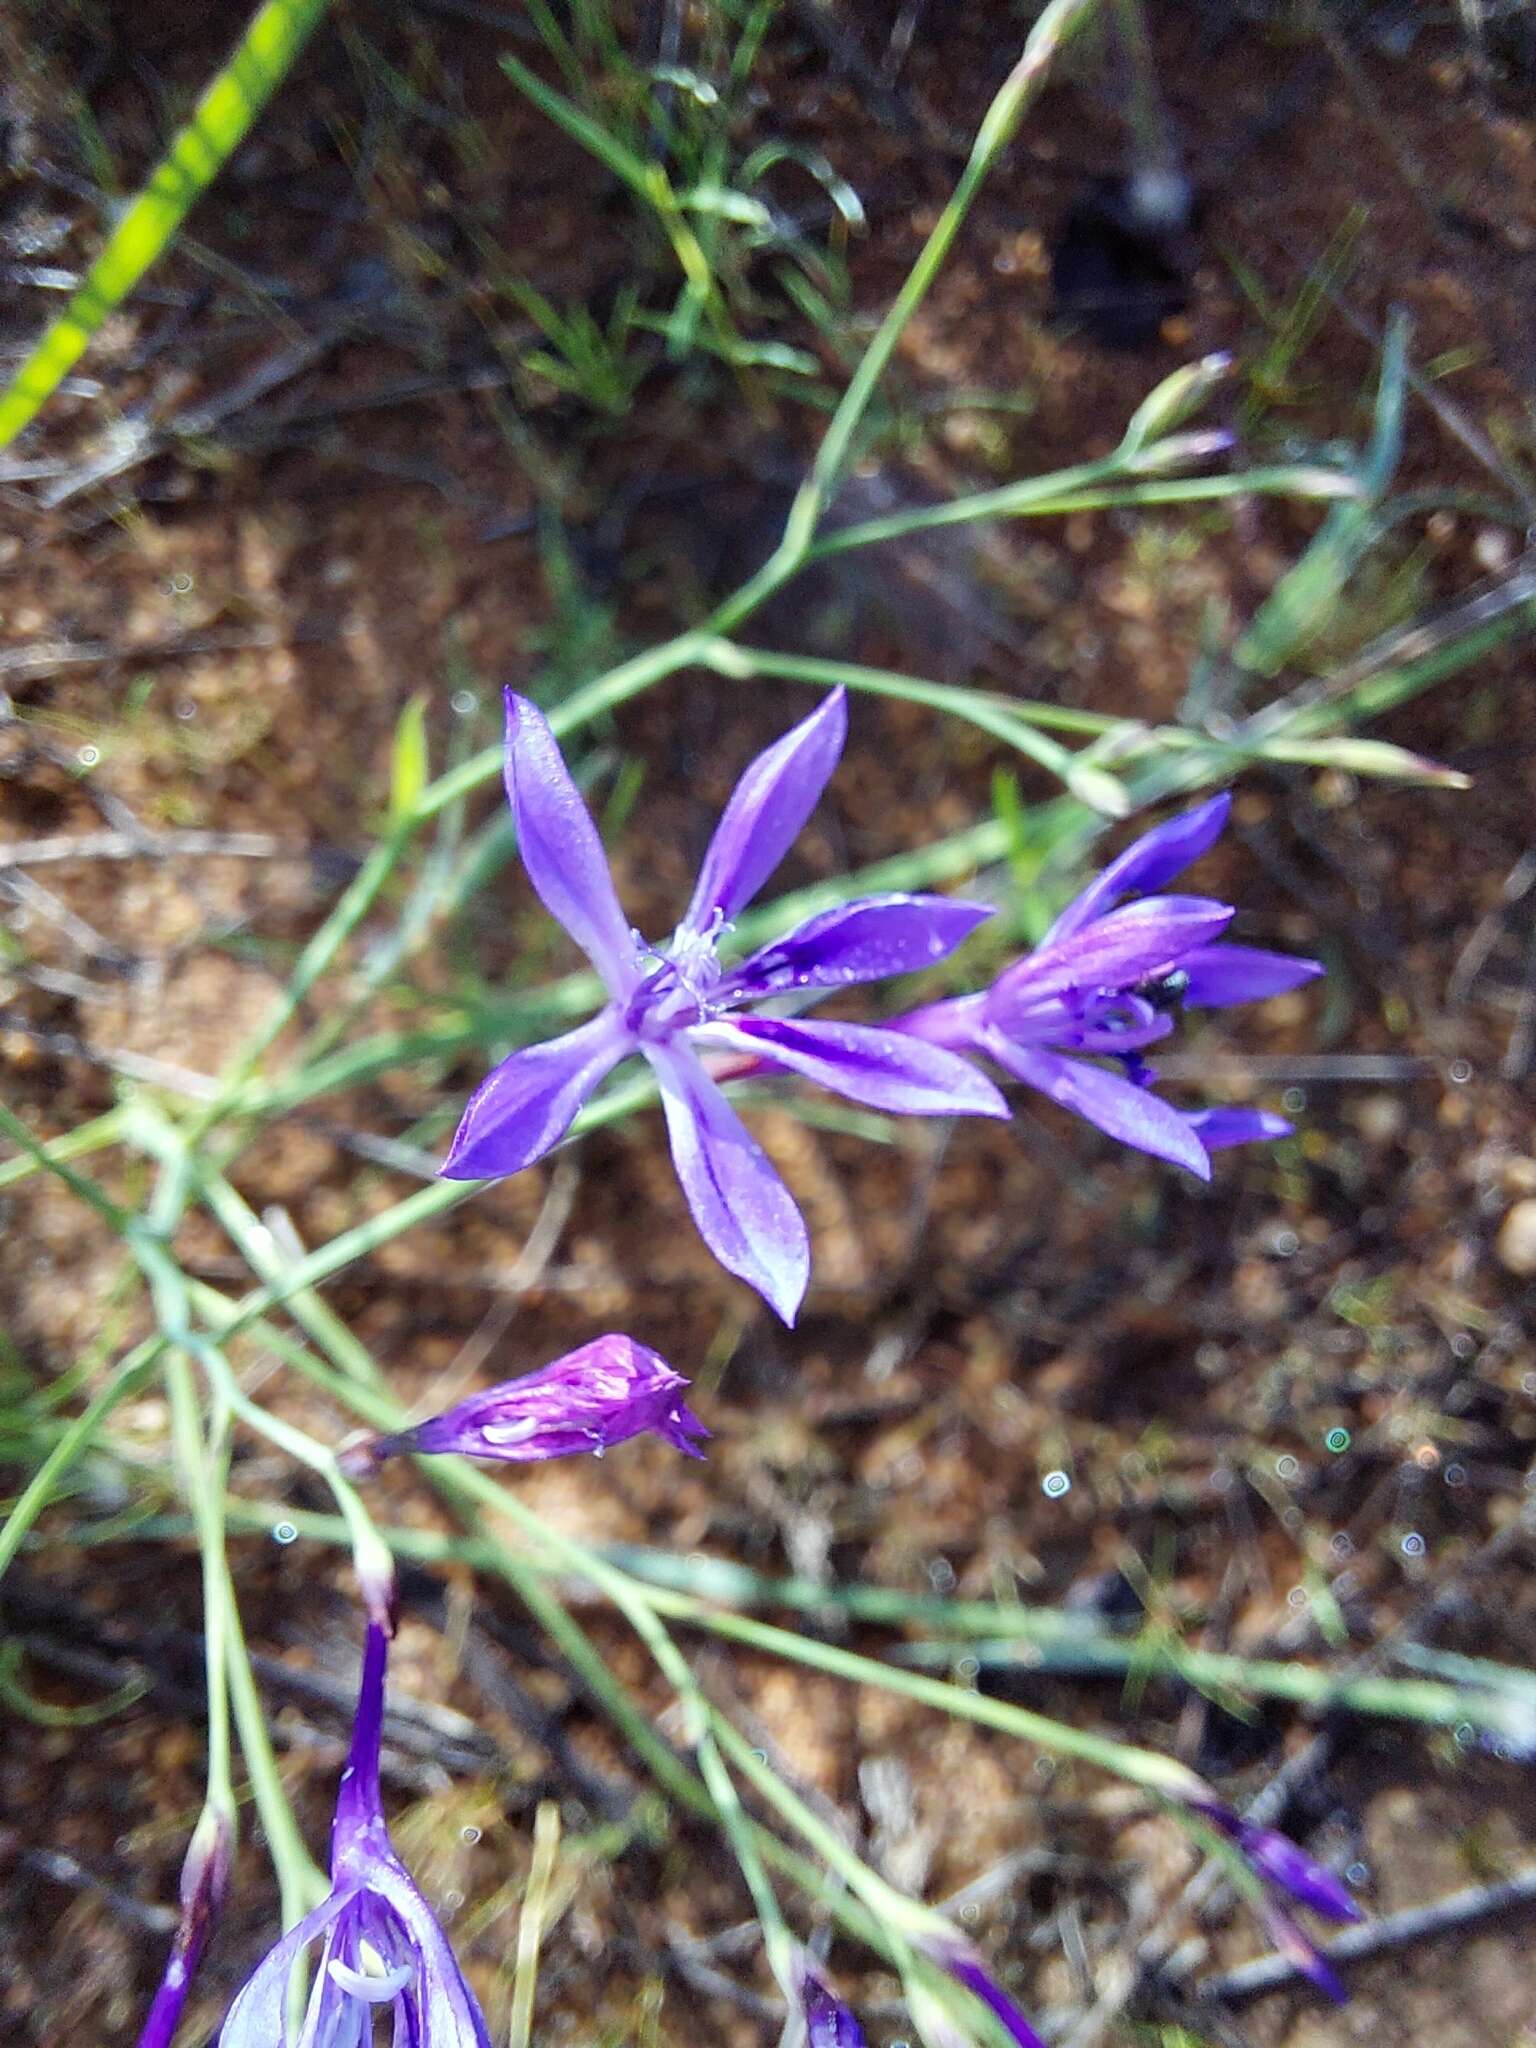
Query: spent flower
(600, 1394)
(204, 1887)
(1284, 1868)
(828, 2022)
(678, 1004)
(383, 1952)
(1073, 1017)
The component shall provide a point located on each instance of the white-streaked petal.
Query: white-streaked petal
(744, 1212)
(767, 810)
(560, 848)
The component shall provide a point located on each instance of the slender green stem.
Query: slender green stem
(94, 1136)
(260, 61)
(203, 1465)
(740, 1833)
(899, 1912)
(997, 129)
(1093, 487)
(1100, 791)
(300, 1881)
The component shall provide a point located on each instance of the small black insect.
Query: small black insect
(1164, 992)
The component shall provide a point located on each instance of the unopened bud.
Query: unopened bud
(204, 1886)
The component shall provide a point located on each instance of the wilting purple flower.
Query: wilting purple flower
(382, 1947)
(204, 1884)
(1279, 1862)
(675, 1002)
(606, 1391)
(1102, 986)
(963, 1960)
(1283, 1867)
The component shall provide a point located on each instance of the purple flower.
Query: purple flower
(1102, 986)
(382, 1947)
(204, 1885)
(606, 1391)
(675, 1002)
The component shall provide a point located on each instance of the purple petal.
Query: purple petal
(1220, 976)
(1305, 1954)
(968, 1969)
(860, 941)
(767, 810)
(560, 847)
(885, 1069)
(358, 1833)
(1146, 864)
(1133, 1115)
(828, 2022)
(744, 1212)
(440, 2009)
(1217, 1129)
(959, 1022)
(525, 1105)
(1278, 1860)
(258, 2017)
(1115, 952)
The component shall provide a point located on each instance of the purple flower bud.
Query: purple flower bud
(828, 2022)
(383, 1952)
(204, 1887)
(607, 1390)
(1281, 1865)
(964, 1963)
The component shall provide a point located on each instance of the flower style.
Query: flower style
(675, 1002)
(1105, 981)
(382, 1947)
(601, 1394)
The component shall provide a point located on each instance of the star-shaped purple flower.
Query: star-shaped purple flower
(674, 1003)
(1102, 986)
(601, 1394)
(382, 1946)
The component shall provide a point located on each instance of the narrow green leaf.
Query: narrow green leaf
(1306, 598)
(258, 65)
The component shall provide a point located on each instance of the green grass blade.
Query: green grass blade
(1306, 598)
(257, 66)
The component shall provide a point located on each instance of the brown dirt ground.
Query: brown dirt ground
(1011, 1303)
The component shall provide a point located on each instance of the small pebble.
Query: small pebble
(1517, 1240)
